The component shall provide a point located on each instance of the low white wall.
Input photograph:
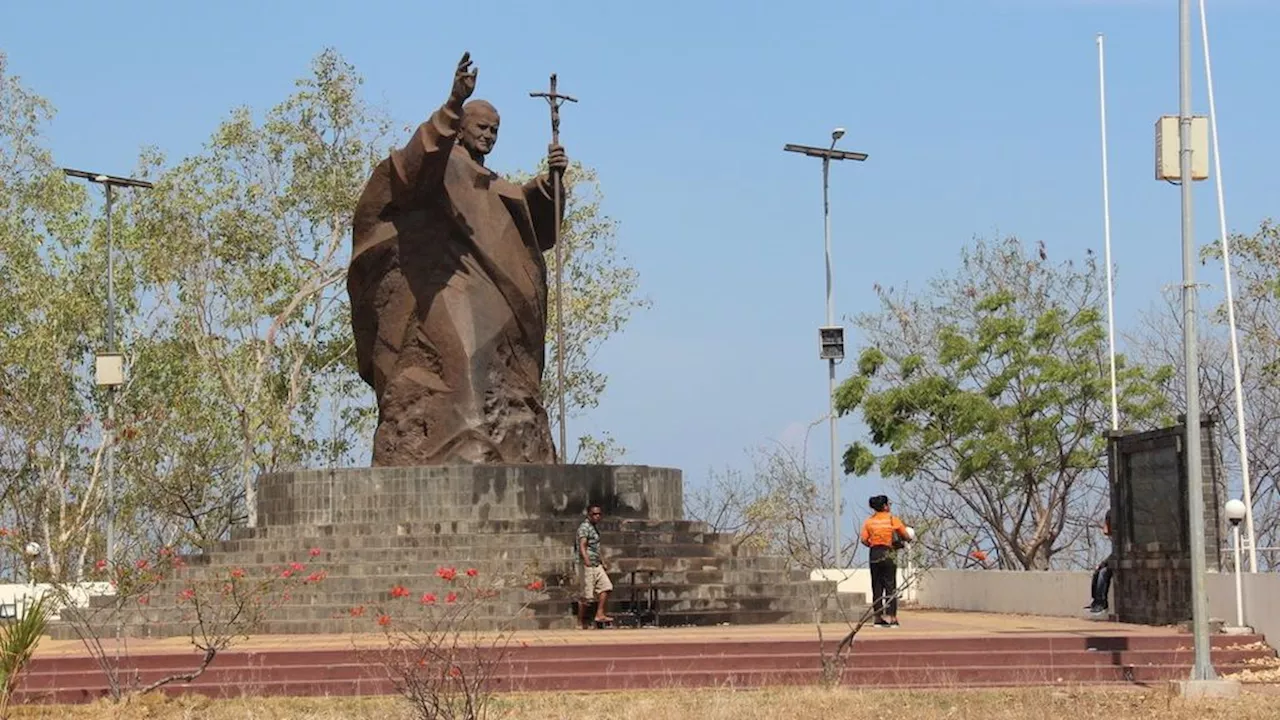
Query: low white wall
(1261, 594)
(15, 598)
(1060, 594)
(1065, 594)
(858, 580)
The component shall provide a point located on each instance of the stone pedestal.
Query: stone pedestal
(377, 528)
(468, 493)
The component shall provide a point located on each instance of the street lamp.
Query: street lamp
(1236, 511)
(110, 364)
(830, 336)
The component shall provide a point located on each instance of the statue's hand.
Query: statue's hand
(464, 82)
(557, 160)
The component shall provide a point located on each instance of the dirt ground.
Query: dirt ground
(1257, 701)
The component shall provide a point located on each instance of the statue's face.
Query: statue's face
(480, 129)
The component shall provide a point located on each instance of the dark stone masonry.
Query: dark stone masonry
(1149, 505)
(381, 527)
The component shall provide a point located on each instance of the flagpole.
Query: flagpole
(1231, 305)
(1106, 236)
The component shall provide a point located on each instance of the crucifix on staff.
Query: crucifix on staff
(554, 100)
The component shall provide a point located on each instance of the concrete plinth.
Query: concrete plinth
(1208, 689)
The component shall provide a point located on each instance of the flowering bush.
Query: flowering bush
(438, 652)
(219, 607)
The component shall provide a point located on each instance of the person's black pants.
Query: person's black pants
(1101, 583)
(884, 582)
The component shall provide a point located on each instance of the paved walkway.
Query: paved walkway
(924, 623)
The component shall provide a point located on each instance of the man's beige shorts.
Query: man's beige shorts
(595, 581)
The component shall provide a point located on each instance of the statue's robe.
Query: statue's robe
(448, 293)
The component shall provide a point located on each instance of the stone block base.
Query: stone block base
(377, 528)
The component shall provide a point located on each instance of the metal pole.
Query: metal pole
(560, 349)
(1106, 237)
(1241, 436)
(1203, 668)
(1235, 531)
(831, 367)
(111, 390)
(554, 99)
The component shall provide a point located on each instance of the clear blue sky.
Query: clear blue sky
(980, 118)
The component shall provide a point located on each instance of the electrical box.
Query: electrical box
(110, 369)
(1168, 145)
(831, 342)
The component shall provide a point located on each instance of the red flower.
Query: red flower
(316, 577)
(165, 552)
(237, 573)
(314, 552)
(455, 671)
(472, 572)
(141, 564)
(978, 555)
(447, 573)
(428, 598)
(187, 594)
(357, 611)
(100, 565)
(145, 600)
(298, 567)
(4, 532)
(399, 591)
(535, 586)
(384, 620)
(451, 597)
(286, 574)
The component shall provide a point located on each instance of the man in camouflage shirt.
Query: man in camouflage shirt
(595, 573)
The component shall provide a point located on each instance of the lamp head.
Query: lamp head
(32, 549)
(837, 133)
(1236, 511)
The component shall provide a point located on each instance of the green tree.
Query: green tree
(51, 271)
(245, 247)
(987, 399)
(601, 293)
(1255, 261)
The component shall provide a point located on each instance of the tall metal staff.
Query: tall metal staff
(555, 99)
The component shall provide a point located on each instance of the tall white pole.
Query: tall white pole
(1203, 667)
(831, 369)
(1106, 236)
(1243, 443)
(1235, 532)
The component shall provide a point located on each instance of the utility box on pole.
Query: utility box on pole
(1168, 164)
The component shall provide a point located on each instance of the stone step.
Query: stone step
(691, 569)
(467, 554)
(293, 548)
(548, 527)
(553, 618)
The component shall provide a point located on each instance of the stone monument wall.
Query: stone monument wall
(477, 493)
(1151, 534)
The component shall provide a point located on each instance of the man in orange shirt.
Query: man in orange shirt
(884, 533)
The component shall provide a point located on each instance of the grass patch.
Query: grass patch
(711, 704)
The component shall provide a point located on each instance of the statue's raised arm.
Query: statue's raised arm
(418, 167)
